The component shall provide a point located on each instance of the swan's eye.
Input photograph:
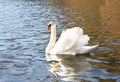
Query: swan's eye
(49, 25)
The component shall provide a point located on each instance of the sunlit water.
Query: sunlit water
(23, 39)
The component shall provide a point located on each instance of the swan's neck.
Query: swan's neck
(52, 41)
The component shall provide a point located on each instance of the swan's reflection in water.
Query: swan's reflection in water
(69, 68)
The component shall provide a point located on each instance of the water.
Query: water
(24, 38)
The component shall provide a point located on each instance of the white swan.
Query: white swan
(72, 41)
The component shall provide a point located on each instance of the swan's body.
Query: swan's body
(71, 41)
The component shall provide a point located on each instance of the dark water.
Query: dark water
(23, 39)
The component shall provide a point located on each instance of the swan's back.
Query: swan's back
(70, 41)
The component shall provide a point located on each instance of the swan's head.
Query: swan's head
(50, 25)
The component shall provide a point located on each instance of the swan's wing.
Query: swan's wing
(70, 40)
(74, 37)
(86, 49)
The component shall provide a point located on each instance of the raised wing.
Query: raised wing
(70, 41)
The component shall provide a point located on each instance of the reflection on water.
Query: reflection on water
(81, 68)
(72, 67)
(24, 38)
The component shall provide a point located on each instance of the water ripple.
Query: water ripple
(24, 38)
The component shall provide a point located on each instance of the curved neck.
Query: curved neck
(52, 41)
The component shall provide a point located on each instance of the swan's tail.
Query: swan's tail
(88, 49)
